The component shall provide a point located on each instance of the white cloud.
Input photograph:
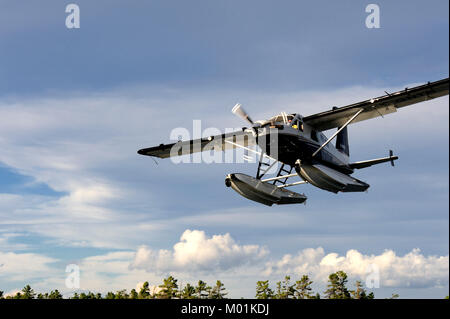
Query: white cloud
(411, 270)
(7, 241)
(197, 256)
(24, 266)
(196, 252)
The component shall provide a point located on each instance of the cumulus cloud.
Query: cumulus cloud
(196, 252)
(198, 256)
(411, 270)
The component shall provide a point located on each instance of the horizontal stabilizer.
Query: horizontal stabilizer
(363, 164)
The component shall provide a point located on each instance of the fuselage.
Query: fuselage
(299, 143)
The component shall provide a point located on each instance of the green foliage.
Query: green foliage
(337, 286)
(133, 294)
(89, 295)
(360, 292)
(144, 293)
(55, 294)
(218, 291)
(121, 294)
(110, 295)
(285, 290)
(188, 292)
(202, 290)
(263, 290)
(27, 293)
(169, 289)
(302, 288)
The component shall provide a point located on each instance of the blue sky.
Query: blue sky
(75, 105)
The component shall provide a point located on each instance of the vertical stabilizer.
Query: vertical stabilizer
(342, 142)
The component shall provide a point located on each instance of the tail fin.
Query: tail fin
(342, 142)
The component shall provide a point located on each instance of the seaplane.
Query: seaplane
(298, 147)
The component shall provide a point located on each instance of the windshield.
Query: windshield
(282, 118)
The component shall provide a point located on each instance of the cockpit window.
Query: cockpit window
(280, 119)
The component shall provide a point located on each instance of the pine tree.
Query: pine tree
(202, 290)
(91, 295)
(133, 294)
(121, 294)
(284, 288)
(55, 294)
(303, 288)
(169, 288)
(110, 295)
(188, 292)
(218, 291)
(360, 292)
(27, 293)
(144, 293)
(83, 296)
(336, 287)
(263, 291)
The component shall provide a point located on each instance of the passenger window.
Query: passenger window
(314, 135)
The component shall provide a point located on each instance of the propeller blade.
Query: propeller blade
(391, 154)
(239, 111)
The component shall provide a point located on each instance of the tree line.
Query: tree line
(170, 289)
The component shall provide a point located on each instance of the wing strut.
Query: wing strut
(337, 132)
(279, 177)
(292, 184)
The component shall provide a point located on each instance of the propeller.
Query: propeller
(391, 155)
(239, 111)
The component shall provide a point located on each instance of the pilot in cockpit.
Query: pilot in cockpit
(298, 123)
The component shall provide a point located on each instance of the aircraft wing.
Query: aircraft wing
(379, 106)
(221, 142)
